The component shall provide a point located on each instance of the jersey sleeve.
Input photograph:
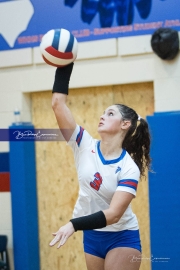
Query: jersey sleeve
(80, 139)
(128, 180)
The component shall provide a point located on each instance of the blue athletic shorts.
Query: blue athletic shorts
(99, 243)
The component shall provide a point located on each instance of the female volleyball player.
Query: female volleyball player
(108, 172)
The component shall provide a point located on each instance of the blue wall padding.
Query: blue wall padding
(164, 191)
(4, 162)
(24, 203)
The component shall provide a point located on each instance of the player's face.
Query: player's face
(110, 121)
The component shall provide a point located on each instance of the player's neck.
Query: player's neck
(111, 148)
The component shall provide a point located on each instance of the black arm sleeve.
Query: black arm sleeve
(62, 77)
(90, 222)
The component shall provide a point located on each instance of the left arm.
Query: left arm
(119, 204)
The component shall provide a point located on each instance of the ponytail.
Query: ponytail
(137, 140)
(138, 146)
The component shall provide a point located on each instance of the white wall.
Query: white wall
(104, 62)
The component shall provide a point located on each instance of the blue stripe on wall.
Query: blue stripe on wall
(4, 162)
(164, 190)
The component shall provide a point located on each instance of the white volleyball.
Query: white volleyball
(59, 47)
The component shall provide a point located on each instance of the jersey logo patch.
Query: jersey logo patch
(97, 181)
(118, 170)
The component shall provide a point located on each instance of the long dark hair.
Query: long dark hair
(137, 139)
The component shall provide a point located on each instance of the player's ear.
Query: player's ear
(125, 124)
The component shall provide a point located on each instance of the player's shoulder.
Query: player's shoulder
(84, 138)
(129, 164)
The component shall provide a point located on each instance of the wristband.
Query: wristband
(62, 77)
(90, 222)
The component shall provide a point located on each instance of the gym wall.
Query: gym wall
(114, 68)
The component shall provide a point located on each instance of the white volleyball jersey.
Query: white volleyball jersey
(99, 179)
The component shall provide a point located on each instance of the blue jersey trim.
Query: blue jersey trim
(112, 161)
(128, 183)
(79, 136)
